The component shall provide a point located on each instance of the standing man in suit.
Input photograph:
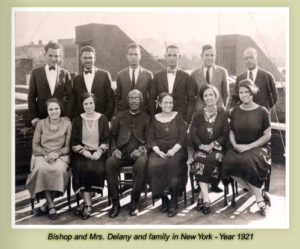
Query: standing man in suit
(133, 77)
(175, 81)
(128, 146)
(93, 80)
(49, 81)
(267, 94)
(212, 74)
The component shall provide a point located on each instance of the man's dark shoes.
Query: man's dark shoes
(216, 189)
(133, 211)
(199, 205)
(172, 212)
(165, 204)
(114, 211)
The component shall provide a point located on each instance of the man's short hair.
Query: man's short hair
(52, 45)
(252, 50)
(172, 46)
(138, 92)
(133, 45)
(207, 47)
(87, 49)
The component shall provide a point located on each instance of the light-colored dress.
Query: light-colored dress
(44, 176)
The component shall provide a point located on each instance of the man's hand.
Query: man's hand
(117, 153)
(159, 152)
(97, 154)
(87, 154)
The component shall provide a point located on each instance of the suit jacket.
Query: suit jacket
(219, 80)
(183, 93)
(102, 90)
(125, 125)
(39, 92)
(267, 94)
(124, 87)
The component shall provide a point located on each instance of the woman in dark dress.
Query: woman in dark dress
(167, 170)
(89, 141)
(209, 132)
(248, 160)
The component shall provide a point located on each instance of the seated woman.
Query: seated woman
(247, 161)
(209, 133)
(50, 159)
(89, 141)
(167, 170)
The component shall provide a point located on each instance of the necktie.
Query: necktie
(87, 71)
(133, 79)
(51, 68)
(251, 75)
(207, 76)
(171, 71)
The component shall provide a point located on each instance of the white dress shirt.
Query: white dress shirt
(254, 74)
(171, 80)
(88, 79)
(136, 73)
(51, 77)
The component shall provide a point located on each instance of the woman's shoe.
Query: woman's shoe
(263, 208)
(266, 198)
(172, 212)
(42, 209)
(79, 210)
(52, 213)
(206, 207)
(86, 212)
(199, 205)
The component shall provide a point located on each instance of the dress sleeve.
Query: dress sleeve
(195, 138)
(105, 131)
(223, 138)
(37, 149)
(231, 120)
(75, 137)
(66, 149)
(182, 140)
(265, 120)
(151, 139)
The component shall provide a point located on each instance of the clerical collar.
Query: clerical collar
(134, 113)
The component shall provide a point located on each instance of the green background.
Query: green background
(37, 238)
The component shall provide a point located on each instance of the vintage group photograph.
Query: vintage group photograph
(150, 117)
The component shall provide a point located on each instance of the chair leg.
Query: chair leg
(184, 195)
(77, 199)
(32, 205)
(236, 188)
(233, 183)
(192, 188)
(267, 181)
(69, 195)
(225, 195)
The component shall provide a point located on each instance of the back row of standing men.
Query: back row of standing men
(51, 80)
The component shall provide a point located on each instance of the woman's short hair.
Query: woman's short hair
(205, 87)
(87, 95)
(161, 96)
(54, 100)
(249, 85)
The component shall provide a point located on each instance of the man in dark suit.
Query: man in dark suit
(267, 94)
(133, 77)
(49, 81)
(93, 80)
(212, 74)
(128, 146)
(175, 81)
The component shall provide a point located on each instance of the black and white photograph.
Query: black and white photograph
(150, 118)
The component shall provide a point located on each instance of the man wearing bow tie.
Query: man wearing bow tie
(133, 77)
(210, 73)
(49, 81)
(93, 80)
(267, 94)
(175, 81)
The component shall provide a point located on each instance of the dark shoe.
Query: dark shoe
(266, 198)
(79, 210)
(172, 212)
(199, 205)
(52, 213)
(86, 212)
(263, 208)
(206, 207)
(114, 212)
(42, 209)
(216, 189)
(165, 204)
(133, 211)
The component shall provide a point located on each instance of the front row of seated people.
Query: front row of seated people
(157, 150)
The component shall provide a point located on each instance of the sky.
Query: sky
(267, 26)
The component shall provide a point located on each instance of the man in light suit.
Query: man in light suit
(212, 74)
(175, 81)
(49, 81)
(267, 94)
(93, 80)
(133, 77)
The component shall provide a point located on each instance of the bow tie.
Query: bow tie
(171, 71)
(51, 68)
(87, 71)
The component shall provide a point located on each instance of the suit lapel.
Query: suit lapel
(139, 78)
(127, 78)
(44, 76)
(57, 82)
(94, 81)
(214, 76)
(201, 75)
(165, 81)
(177, 79)
(81, 79)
